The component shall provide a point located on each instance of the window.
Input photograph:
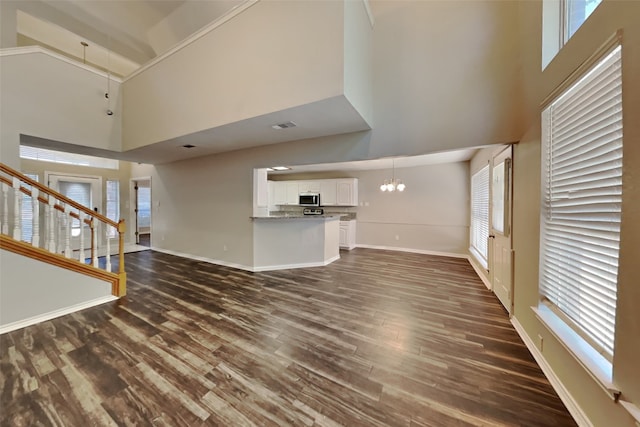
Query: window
(27, 211)
(574, 13)
(79, 192)
(581, 203)
(479, 230)
(144, 208)
(113, 205)
(45, 155)
(560, 20)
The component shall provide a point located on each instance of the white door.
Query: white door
(86, 190)
(501, 258)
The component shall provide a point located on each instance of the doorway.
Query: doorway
(142, 210)
(500, 244)
(83, 189)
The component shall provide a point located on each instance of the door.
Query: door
(86, 190)
(501, 253)
(142, 210)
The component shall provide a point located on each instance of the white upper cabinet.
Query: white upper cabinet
(309, 186)
(347, 192)
(328, 192)
(292, 192)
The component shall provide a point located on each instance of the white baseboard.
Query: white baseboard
(204, 259)
(415, 251)
(53, 314)
(572, 406)
(246, 267)
(290, 266)
(479, 272)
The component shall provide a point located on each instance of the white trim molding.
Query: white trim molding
(12, 51)
(204, 259)
(572, 406)
(290, 266)
(415, 251)
(56, 313)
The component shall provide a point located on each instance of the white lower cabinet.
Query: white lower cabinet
(348, 234)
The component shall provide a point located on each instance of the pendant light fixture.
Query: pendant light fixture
(393, 184)
(106, 94)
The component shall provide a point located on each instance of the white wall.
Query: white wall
(48, 97)
(259, 62)
(358, 58)
(32, 288)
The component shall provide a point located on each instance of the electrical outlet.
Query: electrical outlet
(224, 248)
(397, 237)
(540, 342)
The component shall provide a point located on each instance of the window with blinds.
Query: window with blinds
(581, 196)
(479, 230)
(113, 205)
(27, 212)
(78, 192)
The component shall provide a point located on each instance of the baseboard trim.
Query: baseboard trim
(572, 406)
(56, 313)
(415, 251)
(479, 272)
(290, 266)
(204, 259)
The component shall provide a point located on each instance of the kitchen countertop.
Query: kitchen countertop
(298, 216)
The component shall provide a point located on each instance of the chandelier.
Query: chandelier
(393, 184)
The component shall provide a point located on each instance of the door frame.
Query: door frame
(133, 203)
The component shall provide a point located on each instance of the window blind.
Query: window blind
(479, 230)
(42, 154)
(582, 195)
(26, 214)
(113, 205)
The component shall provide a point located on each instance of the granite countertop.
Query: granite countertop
(298, 216)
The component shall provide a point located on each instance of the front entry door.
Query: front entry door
(501, 260)
(87, 191)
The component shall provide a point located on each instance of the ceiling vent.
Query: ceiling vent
(285, 125)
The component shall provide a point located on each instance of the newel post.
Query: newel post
(122, 288)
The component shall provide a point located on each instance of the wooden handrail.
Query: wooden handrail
(9, 171)
(118, 280)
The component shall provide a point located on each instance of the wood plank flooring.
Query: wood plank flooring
(377, 338)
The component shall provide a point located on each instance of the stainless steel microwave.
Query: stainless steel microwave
(309, 199)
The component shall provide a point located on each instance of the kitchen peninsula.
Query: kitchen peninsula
(294, 241)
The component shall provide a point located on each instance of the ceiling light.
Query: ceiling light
(188, 146)
(393, 184)
(280, 168)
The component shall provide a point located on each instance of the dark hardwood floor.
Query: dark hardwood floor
(375, 339)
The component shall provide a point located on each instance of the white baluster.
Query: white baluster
(17, 209)
(5, 210)
(106, 229)
(51, 245)
(96, 230)
(68, 229)
(35, 237)
(59, 236)
(81, 256)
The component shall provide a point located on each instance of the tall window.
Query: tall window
(479, 230)
(42, 154)
(27, 212)
(574, 13)
(581, 195)
(113, 205)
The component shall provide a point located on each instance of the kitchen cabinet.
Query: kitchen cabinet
(312, 186)
(347, 192)
(348, 234)
(328, 192)
(279, 192)
(292, 192)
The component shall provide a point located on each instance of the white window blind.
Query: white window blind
(582, 194)
(113, 205)
(42, 154)
(27, 211)
(79, 192)
(479, 230)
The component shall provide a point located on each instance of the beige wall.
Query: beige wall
(607, 18)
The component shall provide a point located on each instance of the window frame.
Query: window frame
(482, 258)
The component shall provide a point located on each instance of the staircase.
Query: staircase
(62, 232)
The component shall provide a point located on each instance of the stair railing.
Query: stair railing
(59, 229)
